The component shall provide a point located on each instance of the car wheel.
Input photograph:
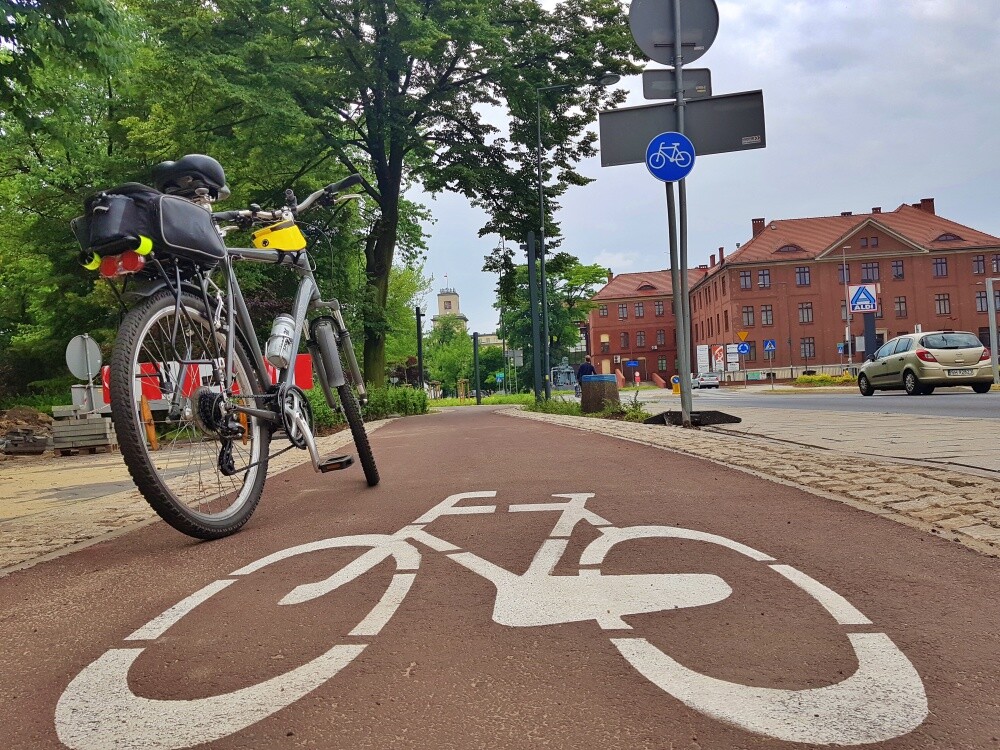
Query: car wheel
(911, 384)
(865, 386)
(928, 390)
(982, 387)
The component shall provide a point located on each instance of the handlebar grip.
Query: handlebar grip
(347, 182)
(226, 215)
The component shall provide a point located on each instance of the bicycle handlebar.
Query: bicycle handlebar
(327, 192)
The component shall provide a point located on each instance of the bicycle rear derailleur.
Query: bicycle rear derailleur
(213, 417)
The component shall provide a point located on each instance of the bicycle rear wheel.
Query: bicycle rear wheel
(352, 412)
(165, 399)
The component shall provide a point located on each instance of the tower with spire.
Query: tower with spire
(448, 304)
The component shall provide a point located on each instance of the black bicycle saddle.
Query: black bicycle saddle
(189, 173)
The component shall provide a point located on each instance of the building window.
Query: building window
(747, 315)
(978, 264)
(900, 306)
(766, 315)
(745, 280)
(897, 269)
(873, 242)
(869, 272)
(805, 312)
(752, 355)
(995, 263)
(447, 304)
(640, 339)
(725, 317)
(605, 347)
(710, 331)
(942, 304)
(807, 348)
(640, 310)
(844, 273)
(981, 302)
(661, 337)
(940, 267)
(623, 311)
(723, 286)
(623, 340)
(602, 311)
(864, 242)
(661, 364)
(843, 311)
(658, 308)
(879, 312)
(996, 299)
(802, 276)
(764, 278)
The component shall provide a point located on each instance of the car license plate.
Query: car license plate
(959, 373)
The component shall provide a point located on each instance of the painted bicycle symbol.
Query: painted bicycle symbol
(883, 699)
(672, 154)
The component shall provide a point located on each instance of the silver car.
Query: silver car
(919, 362)
(705, 380)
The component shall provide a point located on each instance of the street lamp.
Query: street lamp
(607, 79)
(847, 305)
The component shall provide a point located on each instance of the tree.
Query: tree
(448, 352)
(395, 90)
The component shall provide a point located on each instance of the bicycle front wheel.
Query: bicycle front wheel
(168, 408)
(352, 412)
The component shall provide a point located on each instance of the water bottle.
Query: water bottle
(279, 345)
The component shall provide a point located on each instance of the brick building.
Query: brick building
(787, 283)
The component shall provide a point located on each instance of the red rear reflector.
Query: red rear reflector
(925, 356)
(131, 261)
(109, 266)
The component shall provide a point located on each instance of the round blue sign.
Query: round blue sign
(670, 157)
(743, 348)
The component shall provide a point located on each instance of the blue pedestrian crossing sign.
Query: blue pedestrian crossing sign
(770, 345)
(863, 298)
(670, 156)
(743, 348)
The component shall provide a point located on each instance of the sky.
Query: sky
(867, 103)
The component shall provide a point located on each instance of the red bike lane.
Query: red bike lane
(509, 584)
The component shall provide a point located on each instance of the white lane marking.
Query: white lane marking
(159, 624)
(882, 700)
(842, 610)
(447, 506)
(416, 534)
(98, 711)
(571, 513)
(387, 605)
(358, 540)
(407, 558)
(536, 598)
(596, 551)
(547, 557)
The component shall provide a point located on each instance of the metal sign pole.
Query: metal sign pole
(683, 318)
(991, 307)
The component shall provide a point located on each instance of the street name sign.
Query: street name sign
(715, 125)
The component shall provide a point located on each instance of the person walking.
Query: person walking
(587, 368)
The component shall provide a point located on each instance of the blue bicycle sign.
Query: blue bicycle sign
(670, 157)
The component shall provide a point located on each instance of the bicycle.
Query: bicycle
(193, 400)
(673, 154)
(883, 699)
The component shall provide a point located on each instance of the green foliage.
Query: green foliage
(448, 353)
(524, 399)
(813, 381)
(40, 402)
(394, 401)
(556, 406)
(627, 411)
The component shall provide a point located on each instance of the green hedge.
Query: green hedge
(811, 381)
(382, 403)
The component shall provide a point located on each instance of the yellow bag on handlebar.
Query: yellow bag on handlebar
(284, 235)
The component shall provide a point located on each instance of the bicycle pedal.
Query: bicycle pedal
(335, 463)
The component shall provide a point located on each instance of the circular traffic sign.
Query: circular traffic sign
(743, 348)
(83, 357)
(670, 156)
(652, 25)
(675, 379)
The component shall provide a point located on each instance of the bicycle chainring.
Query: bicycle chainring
(294, 402)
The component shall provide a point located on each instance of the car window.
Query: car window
(904, 345)
(886, 350)
(950, 340)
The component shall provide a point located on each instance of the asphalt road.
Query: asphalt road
(944, 402)
(510, 584)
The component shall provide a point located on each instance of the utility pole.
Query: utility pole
(420, 348)
(536, 359)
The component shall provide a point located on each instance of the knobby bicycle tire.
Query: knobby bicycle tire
(352, 412)
(161, 358)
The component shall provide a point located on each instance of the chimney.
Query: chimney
(926, 204)
(757, 225)
(611, 276)
(876, 209)
(722, 255)
(711, 263)
(845, 213)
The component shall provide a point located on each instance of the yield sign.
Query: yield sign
(863, 298)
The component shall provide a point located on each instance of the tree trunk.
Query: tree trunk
(378, 263)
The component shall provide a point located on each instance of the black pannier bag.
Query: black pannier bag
(119, 219)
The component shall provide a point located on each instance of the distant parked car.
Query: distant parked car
(705, 380)
(919, 362)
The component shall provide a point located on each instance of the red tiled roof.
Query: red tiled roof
(644, 284)
(815, 236)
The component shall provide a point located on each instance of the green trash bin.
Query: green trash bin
(595, 390)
